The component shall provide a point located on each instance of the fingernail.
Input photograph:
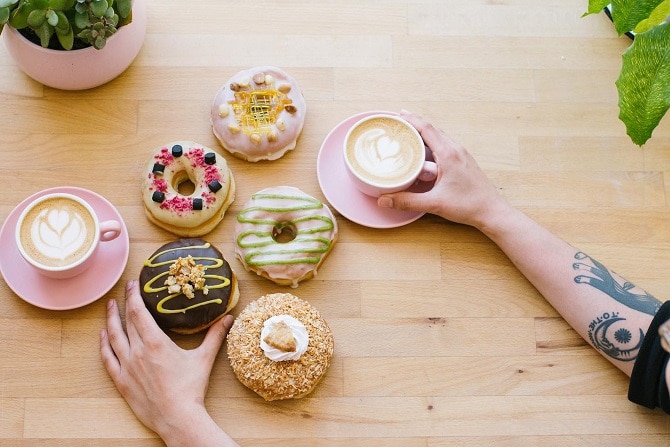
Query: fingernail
(110, 303)
(385, 202)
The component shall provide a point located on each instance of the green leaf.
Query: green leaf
(81, 21)
(63, 22)
(44, 32)
(52, 17)
(656, 17)
(596, 6)
(644, 83)
(58, 5)
(123, 8)
(36, 18)
(19, 18)
(99, 7)
(4, 16)
(627, 14)
(66, 39)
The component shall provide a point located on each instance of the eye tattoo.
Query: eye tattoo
(608, 332)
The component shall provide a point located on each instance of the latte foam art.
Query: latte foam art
(384, 151)
(58, 233)
(378, 153)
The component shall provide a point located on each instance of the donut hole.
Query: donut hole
(284, 232)
(182, 183)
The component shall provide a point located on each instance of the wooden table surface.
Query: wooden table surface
(439, 340)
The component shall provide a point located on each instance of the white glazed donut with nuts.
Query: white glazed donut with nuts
(259, 114)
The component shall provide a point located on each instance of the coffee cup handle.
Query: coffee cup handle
(429, 171)
(109, 230)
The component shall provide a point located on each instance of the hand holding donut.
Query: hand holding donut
(164, 385)
(462, 192)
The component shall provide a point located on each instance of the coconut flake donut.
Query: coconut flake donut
(284, 235)
(194, 214)
(280, 347)
(259, 114)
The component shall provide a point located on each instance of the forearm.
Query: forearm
(196, 429)
(608, 312)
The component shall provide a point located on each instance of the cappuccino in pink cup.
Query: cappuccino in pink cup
(58, 234)
(384, 154)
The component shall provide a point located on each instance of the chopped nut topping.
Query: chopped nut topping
(259, 78)
(186, 276)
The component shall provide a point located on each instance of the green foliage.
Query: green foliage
(644, 82)
(89, 22)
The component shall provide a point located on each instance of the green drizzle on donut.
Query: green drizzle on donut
(302, 235)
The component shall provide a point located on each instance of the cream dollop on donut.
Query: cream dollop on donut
(259, 114)
(298, 332)
(189, 214)
(284, 234)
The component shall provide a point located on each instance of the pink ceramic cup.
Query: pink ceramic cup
(58, 234)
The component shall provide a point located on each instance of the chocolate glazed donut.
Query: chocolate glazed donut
(187, 285)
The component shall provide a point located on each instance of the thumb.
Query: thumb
(214, 338)
(405, 201)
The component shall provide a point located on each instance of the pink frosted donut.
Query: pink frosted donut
(259, 114)
(284, 234)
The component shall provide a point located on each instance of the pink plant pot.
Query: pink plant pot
(80, 69)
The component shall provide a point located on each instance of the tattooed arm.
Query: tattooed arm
(609, 312)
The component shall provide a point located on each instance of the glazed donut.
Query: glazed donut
(280, 347)
(284, 235)
(259, 114)
(190, 215)
(187, 285)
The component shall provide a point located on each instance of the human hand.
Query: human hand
(462, 192)
(164, 384)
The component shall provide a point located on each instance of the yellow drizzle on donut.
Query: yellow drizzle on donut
(302, 235)
(148, 287)
(258, 109)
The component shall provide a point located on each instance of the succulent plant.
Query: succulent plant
(86, 22)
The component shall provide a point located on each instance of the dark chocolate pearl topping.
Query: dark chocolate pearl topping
(214, 185)
(210, 158)
(177, 150)
(197, 204)
(158, 196)
(158, 169)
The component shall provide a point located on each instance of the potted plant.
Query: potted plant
(644, 81)
(73, 44)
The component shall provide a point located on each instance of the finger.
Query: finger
(114, 334)
(139, 322)
(429, 172)
(432, 136)
(109, 359)
(214, 338)
(407, 201)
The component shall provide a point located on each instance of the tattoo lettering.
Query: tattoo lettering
(609, 334)
(597, 275)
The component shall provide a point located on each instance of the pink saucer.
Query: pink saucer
(343, 195)
(63, 294)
